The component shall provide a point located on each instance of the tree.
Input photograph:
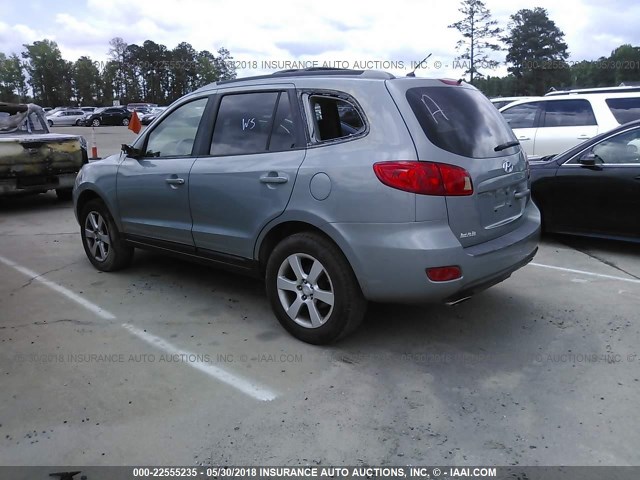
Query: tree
(117, 54)
(86, 81)
(479, 34)
(49, 74)
(13, 87)
(536, 51)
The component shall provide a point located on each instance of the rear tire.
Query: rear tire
(125, 122)
(64, 193)
(101, 239)
(95, 122)
(50, 123)
(313, 290)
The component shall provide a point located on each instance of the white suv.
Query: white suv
(551, 125)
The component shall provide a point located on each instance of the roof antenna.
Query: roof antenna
(413, 72)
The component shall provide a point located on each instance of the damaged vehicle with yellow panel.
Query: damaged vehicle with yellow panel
(34, 160)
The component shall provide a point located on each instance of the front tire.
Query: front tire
(125, 122)
(50, 123)
(313, 290)
(95, 122)
(101, 239)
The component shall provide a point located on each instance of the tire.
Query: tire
(125, 122)
(77, 123)
(50, 123)
(95, 122)
(106, 251)
(320, 320)
(64, 193)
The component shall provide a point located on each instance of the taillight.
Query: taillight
(425, 178)
(444, 274)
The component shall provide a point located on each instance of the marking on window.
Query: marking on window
(438, 108)
(248, 124)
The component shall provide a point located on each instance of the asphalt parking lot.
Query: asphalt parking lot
(169, 362)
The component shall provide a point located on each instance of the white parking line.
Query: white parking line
(582, 272)
(246, 386)
(36, 277)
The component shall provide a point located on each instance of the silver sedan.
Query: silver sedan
(66, 117)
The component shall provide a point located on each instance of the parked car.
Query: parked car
(108, 116)
(33, 160)
(88, 109)
(500, 102)
(335, 186)
(551, 125)
(147, 118)
(594, 188)
(66, 117)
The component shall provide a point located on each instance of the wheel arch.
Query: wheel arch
(272, 234)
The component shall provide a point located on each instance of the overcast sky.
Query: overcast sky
(335, 31)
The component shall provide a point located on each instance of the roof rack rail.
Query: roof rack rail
(314, 72)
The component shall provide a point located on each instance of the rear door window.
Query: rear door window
(624, 109)
(568, 113)
(460, 120)
(255, 122)
(522, 116)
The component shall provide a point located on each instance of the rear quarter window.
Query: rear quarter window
(624, 109)
(461, 121)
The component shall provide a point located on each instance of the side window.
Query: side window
(283, 136)
(243, 124)
(568, 113)
(522, 116)
(622, 148)
(335, 118)
(175, 135)
(624, 109)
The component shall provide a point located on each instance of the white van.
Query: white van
(551, 125)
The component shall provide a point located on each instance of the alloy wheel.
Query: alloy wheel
(305, 290)
(96, 234)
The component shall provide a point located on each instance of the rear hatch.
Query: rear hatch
(456, 124)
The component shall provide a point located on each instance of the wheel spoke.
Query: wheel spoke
(316, 271)
(314, 314)
(105, 239)
(89, 234)
(286, 284)
(294, 309)
(100, 224)
(325, 296)
(103, 251)
(93, 246)
(296, 266)
(93, 220)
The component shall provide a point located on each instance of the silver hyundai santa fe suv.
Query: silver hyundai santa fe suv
(335, 186)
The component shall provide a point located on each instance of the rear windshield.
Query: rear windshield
(461, 121)
(624, 109)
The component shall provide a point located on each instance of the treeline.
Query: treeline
(536, 54)
(133, 73)
(622, 66)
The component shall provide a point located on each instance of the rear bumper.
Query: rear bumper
(37, 184)
(390, 260)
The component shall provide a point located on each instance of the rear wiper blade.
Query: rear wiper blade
(504, 146)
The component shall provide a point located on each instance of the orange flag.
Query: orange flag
(134, 123)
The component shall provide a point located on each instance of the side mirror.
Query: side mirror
(588, 159)
(130, 151)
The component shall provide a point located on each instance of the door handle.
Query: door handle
(583, 137)
(273, 177)
(175, 181)
(522, 194)
(523, 138)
